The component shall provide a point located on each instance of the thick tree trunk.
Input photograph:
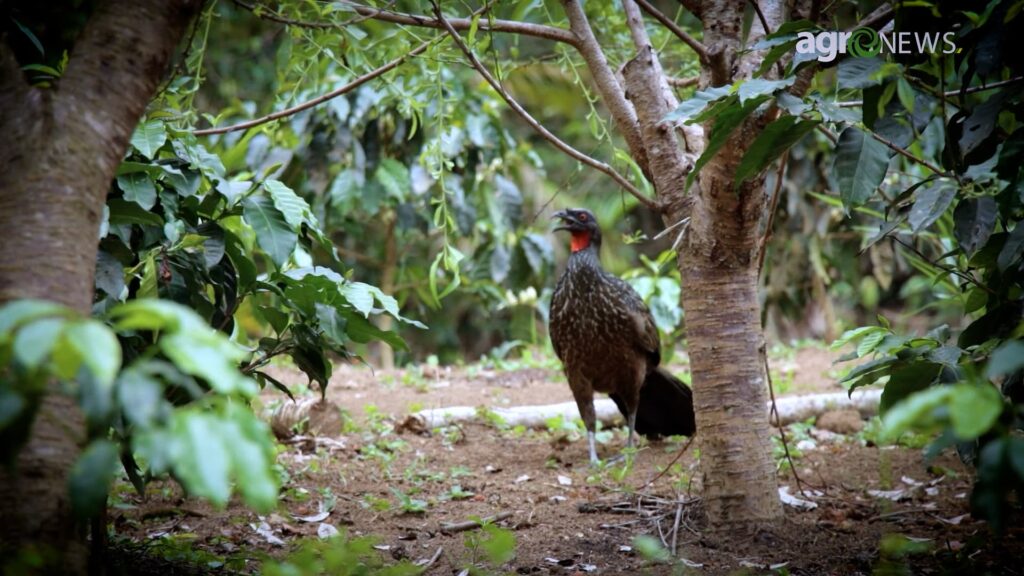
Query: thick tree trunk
(60, 151)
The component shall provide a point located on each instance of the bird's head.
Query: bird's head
(582, 224)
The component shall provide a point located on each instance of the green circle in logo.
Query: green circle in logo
(864, 42)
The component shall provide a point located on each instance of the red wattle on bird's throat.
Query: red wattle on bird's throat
(580, 240)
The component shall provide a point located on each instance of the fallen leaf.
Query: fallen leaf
(955, 520)
(564, 480)
(325, 531)
(894, 495)
(793, 501)
(264, 530)
(522, 478)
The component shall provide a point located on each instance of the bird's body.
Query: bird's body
(606, 338)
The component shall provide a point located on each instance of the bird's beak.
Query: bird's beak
(564, 217)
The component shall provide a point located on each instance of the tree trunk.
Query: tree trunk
(60, 151)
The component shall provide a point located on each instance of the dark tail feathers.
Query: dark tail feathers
(666, 406)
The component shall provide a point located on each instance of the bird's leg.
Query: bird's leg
(631, 421)
(584, 396)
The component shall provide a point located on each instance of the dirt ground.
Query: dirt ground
(864, 509)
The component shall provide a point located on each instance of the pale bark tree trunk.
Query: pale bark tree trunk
(718, 265)
(60, 150)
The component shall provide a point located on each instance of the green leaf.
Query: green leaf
(905, 380)
(1013, 249)
(252, 457)
(273, 233)
(361, 330)
(149, 137)
(393, 176)
(138, 187)
(931, 204)
(359, 295)
(860, 165)
(90, 478)
(695, 105)
(973, 220)
(140, 396)
(34, 341)
(917, 410)
(201, 456)
(16, 313)
(295, 210)
(750, 89)
(973, 409)
(870, 342)
(126, 212)
(725, 122)
(211, 356)
(1006, 360)
(770, 144)
(98, 349)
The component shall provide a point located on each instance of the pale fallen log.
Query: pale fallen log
(791, 409)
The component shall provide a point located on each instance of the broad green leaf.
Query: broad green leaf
(331, 322)
(90, 478)
(725, 122)
(34, 341)
(755, 87)
(770, 144)
(858, 73)
(126, 212)
(931, 204)
(138, 187)
(917, 410)
(393, 176)
(252, 457)
(202, 458)
(97, 347)
(854, 335)
(141, 397)
(860, 165)
(11, 406)
(153, 314)
(538, 251)
(905, 380)
(359, 296)
(1007, 359)
(16, 313)
(1013, 249)
(273, 233)
(868, 344)
(361, 330)
(149, 137)
(695, 105)
(295, 210)
(973, 409)
(211, 356)
(973, 220)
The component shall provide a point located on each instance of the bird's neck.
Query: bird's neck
(585, 256)
(580, 241)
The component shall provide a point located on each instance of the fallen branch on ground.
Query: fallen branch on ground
(791, 409)
(453, 527)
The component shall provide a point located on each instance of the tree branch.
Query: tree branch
(676, 82)
(324, 97)
(690, 41)
(525, 28)
(518, 109)
(607, 85)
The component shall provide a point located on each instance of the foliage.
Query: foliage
(954, 209)
(338, 555)
(127, 369)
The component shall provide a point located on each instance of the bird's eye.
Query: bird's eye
(582, 217)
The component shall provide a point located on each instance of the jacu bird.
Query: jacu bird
(607, 341)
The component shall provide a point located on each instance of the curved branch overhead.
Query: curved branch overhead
(497, 25)
(518, 109)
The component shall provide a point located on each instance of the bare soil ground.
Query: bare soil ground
(877, 510)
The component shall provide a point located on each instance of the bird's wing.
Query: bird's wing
(646, 333)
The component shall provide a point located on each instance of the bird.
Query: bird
(607, 341)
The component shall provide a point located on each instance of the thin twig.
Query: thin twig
(453, 527)
(762, 246)
(675, 528)
(690, 41)
(518, 109)
(767, 32)
(949, 270)
(778, 423)
(667, 468)
(524, 28)
(949, 93)
(324, 97)
(429, 563)
(683, 82)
